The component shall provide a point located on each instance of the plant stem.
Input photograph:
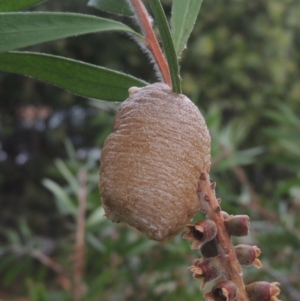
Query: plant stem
(63, 278)
(151, 40)
(230, 265)
(255, 204)
(167, 42)
(79, 257)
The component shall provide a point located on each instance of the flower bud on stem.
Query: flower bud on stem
(223, 291)
(237, 225)
(229, 263)
(247, 255)
(206, 269)
(209, 249)
(263, 291)
(201, 232)
(220, 258)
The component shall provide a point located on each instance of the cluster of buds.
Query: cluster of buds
(220, 259)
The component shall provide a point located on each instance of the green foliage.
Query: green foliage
(80, 78)
(25, 29)
(184, 15)
(119, 259)
(15, 5)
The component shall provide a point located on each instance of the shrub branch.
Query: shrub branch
(144, 21)
(230, 265)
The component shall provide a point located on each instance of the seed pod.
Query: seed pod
(209, 249)
(201, 232)
(206, 269)
(151, 163)
(263, 291)
(223, 291)
(247, 255)
(237, 225)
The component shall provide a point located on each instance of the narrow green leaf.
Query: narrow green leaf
(13, 237)
(99, 284)
(168, 44)
(112, 6)
(64, 203)
(112, 107)
(24, 230)
(140, 246)
(67, 175)
(184, 15)
(96, 218)
(25, 29)
(95, 242)
(80, 78)
(15, 5)
(71, 152)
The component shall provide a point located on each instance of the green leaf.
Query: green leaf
(15, 5)
(19, 268)
(37, 292)
(95, 242)
(13, 237)
(78, 77)
(25, 29)
(105, 106)
(168, 44)
(67, 175)
(24, 230)
(112, 6)
(98, 285)
(184, 15)
(64, 203)
(139, 247)
(248, 156)
(71, 152)
(96, 218)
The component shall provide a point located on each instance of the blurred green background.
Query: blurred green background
(242, 68)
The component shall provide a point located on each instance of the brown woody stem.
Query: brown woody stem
(151, 40)
(79, 256)
(63, 278)
(230, 265)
